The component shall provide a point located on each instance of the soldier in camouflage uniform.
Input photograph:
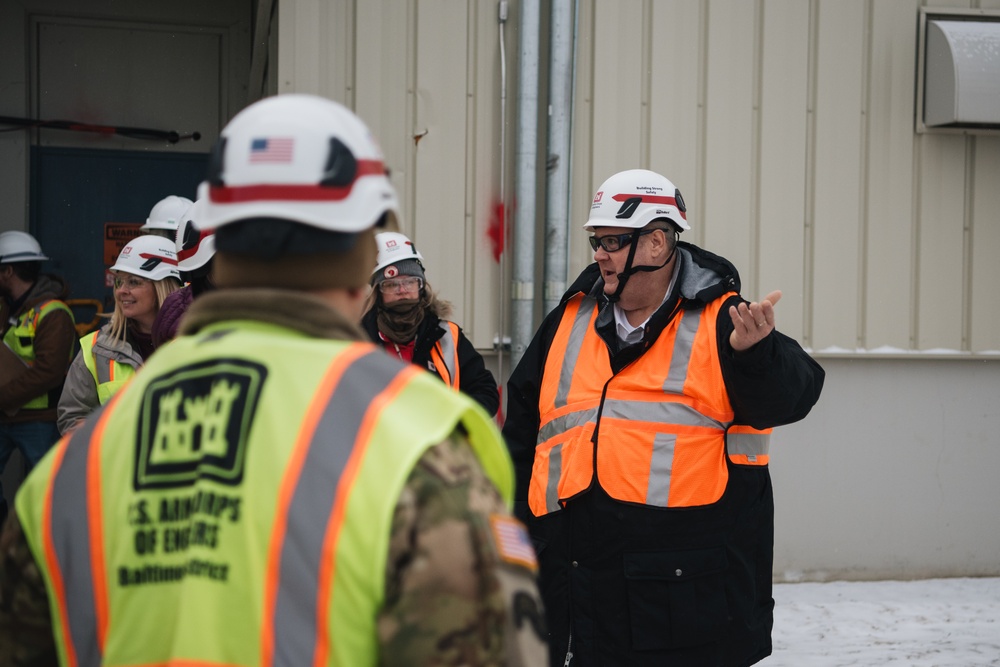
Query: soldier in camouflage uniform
(457, 591)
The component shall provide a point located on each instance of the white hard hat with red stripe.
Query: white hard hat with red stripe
(166, 213)
(634, 198)
(195, 246)
(301, 158)
(150, 257)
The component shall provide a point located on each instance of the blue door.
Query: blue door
(76, 191)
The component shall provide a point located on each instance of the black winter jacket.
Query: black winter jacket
(475, 380)
(627, 584)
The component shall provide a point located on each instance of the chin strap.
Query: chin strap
(630, 270)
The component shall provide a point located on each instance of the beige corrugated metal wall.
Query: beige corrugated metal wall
(425, 77)
(787, 124)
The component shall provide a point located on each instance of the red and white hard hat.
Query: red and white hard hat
(394, 247)
(166, 213)
(634, 198)
(19, 247)
(150, 257)
(301, 158)
(195, 246)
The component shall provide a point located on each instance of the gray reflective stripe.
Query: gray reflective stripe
(555, 472)
(658, 487)
(565, 423)
(662, 412)
(71, 541)
(296, 611)
(573, 346)
(447, 343)
(750, 444)
(681, 357)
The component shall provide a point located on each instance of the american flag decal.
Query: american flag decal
(513, 544)
(272, 150)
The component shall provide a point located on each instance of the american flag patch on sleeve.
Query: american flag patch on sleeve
(513, 544)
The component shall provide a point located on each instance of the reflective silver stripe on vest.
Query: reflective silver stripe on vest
(749, 444)
(552, 485)
(448, 353)
(663, 412)
(296, 611)
(565, 423)
(573, 346)
(71, 541)
(687, 329)
(658, 487)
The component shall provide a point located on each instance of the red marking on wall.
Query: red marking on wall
(497, 230)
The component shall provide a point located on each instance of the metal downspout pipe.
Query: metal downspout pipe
(558, 162)
(502, 339)
(522, 290)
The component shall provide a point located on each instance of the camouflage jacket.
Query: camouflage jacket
(453, 597)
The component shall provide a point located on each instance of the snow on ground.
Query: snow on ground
(931, 623)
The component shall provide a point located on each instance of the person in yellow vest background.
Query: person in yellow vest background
(271, 488)
(405, 316)
(638, 421)
(39, 339)
(145, 274)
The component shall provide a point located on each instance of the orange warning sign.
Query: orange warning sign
(116, 236)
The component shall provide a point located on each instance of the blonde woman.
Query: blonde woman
(145, 274)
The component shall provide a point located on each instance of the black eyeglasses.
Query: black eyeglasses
(615, 242)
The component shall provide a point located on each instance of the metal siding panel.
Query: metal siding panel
(582, 173)
(940, 242)
(316, 48)
(985, 228)
(440, 165)
(837, 183)
(730, 132)
(484, 299)
(617, 102)
(675, 106)
(888, 288)
(781, 197)
(385, 51)
(298, 46)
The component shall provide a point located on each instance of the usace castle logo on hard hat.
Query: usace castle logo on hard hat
(194, 424)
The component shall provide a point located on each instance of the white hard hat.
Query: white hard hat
(394, 247)
(194, 246)
(151, 257)
(19, 247)
(166, 214)
(634, 198)
(301, 158)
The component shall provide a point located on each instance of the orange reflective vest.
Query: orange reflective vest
(656, 433)
(444, 355)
